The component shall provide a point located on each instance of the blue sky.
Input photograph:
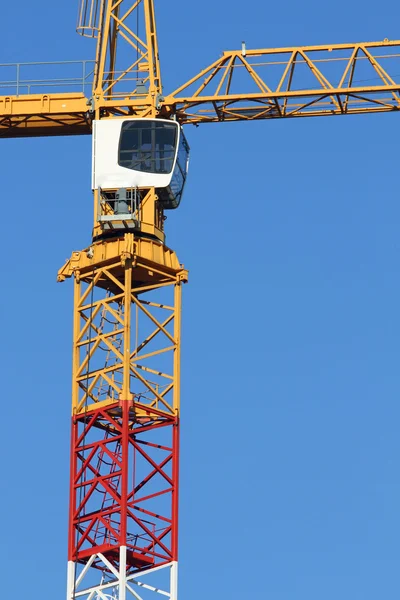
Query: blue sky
(290, 378)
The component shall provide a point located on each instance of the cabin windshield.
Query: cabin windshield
(148, 146)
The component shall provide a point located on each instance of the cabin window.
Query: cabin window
(148, 146)
(171, 197)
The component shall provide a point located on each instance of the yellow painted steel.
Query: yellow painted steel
(241, 85)
(34, 115)
(136, 86)
(292, 82)
(149, 214)
(147, 252)
(126, 342)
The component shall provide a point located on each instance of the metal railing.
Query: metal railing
(44, 77)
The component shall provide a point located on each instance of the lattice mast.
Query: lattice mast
(123, 523)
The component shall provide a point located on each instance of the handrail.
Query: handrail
(24, 78)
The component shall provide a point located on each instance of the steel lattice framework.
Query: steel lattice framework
(125, 424)
(308, 81)
(339, 79)
(123, 519)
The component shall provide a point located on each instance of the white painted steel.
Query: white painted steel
(70, 579)
(122, 573)
(174, 581)
(107, 173)
(121, 586)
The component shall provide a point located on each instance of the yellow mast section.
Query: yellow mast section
(243, 84)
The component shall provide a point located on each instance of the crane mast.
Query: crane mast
(124, 468)
(123, 524)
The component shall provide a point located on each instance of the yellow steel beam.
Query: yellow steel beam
(44, 114)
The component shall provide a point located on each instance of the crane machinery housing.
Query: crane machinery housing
(123, 516)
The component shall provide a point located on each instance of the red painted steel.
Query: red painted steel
(124, 486)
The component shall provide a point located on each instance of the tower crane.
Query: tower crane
(123, 516)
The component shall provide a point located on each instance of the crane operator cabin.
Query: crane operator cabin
(134, 154)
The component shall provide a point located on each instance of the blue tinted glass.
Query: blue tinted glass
(148, 146)
(179, 175)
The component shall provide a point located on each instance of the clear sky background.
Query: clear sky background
(290, 483)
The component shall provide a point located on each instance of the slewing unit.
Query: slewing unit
(131, 154)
